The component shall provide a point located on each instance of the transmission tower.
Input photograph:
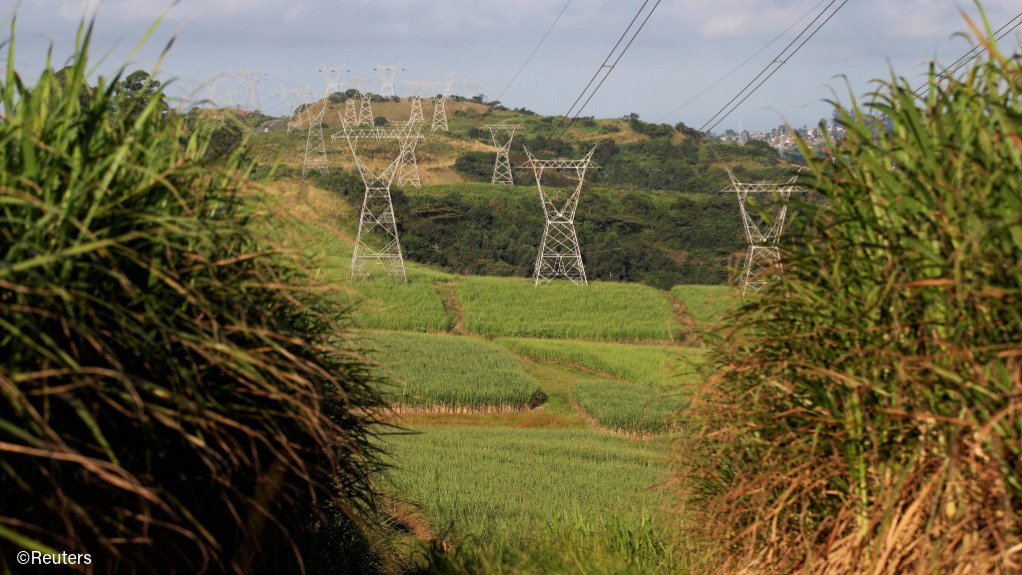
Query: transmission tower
(408, 170)
(502, 134)
(762, 231)
(387, 76)
(559, 254)
(471, 88)
(332, 77)
(377, 240)
(315, 147)
(440, 107)
(365, 110)
(298, 100)
(418, 93)
(250, 80)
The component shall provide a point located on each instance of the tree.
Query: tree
(136, 92)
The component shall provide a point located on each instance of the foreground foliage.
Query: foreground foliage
(169, 399)
(867, 414)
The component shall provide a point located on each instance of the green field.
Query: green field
(601, 311)
(449, 371)
(539, 500)
(647, 363)
(627, 407)
(707, 305)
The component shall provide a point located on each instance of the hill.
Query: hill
(649, 214)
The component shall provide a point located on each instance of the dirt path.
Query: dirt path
(452, 307)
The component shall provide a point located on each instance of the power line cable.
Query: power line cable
(534, 50)
(971, 55)
(782, 58)
(738, 67)
(604, 65)
(609, 70)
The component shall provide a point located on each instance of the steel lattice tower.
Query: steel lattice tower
(298, 100)
(763, 232)
(559, 254)
(387, 76)
(440, 107)
(365, 110)
(418, 93)
(315, 147)
(502, 134)
(332, 77)
(250, 79)
(408, 170)
(377, 224)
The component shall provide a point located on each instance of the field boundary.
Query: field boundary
(399, 408)
(595, 424)
(452, 306)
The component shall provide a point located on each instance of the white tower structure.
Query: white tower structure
(333, 77)
(408, 170)
(250, 80)
(440, 107)
(377, 241)
(762, 230)
(418, 93)
(365, 109)
(387, 76)
(502, 135)
(298, 100)
(315, 147)
(559, 253)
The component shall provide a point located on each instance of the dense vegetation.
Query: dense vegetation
(171, 397)
(866, 416)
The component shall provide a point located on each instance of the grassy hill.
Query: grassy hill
(651, 212)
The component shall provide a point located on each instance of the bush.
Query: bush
(870, 404)
(477, 166)
(167, 401)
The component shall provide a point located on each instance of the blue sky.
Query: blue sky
(687, 45)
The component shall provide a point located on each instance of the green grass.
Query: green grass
(435, 370)
(539, 500)
(651, 364)
(708, 305)
(626, 406)
(611, 311)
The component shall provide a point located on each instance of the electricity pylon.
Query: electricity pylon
(298, 100)
(762, 231)
(365, 109)
(471, 88)
(387, 76)
(315, 147)
(440, 107)
(408, 170)
(250, 79)
(502, 134)
(418, 93)
(377, 240)
(332, 77)
(559, 254)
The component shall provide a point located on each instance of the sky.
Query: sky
(686, 46)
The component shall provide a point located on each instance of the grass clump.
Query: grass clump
(449, 372)
(170, 398)
(866, 416)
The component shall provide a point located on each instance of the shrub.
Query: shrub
(869, 416)
(170, 399)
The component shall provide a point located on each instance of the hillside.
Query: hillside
(651, 212)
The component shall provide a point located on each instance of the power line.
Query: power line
(971, 55)
(738, 67)
(562, 127)
(782, 58)
(534, 50)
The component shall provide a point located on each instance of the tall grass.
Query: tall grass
(170, 398)
(867, 414)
